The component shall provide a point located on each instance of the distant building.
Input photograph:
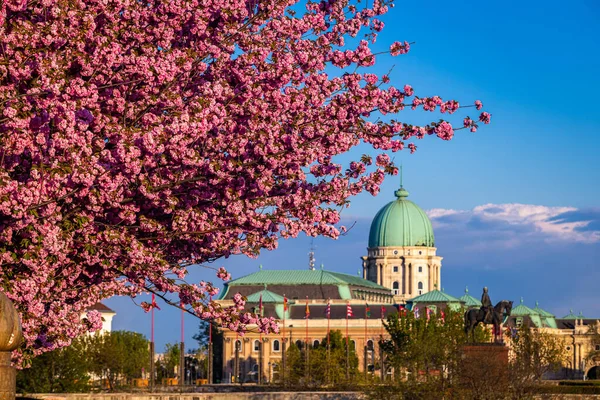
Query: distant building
(401, 269)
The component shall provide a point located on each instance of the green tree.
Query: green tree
(217, 339)
(170, 361)
(117, 356)
(323, 369)
(425, 354)
(294, 366)
(59, 371)
(535, 353)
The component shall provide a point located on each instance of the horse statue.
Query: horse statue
(474, 317)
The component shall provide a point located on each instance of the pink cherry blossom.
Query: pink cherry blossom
(139, 139)
(485, 117)
(444, 131)
(398, 48)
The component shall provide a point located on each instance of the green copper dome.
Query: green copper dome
(401, 223)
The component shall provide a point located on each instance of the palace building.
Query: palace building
(401, 268)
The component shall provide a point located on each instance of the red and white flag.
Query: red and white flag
(348, 310)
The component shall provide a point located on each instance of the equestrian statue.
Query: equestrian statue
(487, 315)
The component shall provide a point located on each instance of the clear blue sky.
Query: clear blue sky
(535, 65)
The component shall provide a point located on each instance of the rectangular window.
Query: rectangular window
(519, 322)
(395, 269)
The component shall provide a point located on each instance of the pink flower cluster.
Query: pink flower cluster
(398, 48)
(138, 139)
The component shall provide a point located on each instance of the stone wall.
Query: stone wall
(201, 396)
(567, 397)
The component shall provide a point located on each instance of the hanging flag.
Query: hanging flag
(260, 306)
(368, 311)
(382, 312)
(307, 309)
(154, 305)
(348, 310)
(328, 308)
(285, 303)
(416, 312)
(443, 316)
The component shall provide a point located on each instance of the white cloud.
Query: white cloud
(526, 221)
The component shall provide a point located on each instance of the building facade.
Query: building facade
(401, 269)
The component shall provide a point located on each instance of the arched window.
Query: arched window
(353, 344)
(256, 345)
(299, 344)
(238, 345)
(420, 287)
(315, 344)
(395, 287)
(276, 345)
(369, 344)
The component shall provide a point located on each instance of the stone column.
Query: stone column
(410, 280)
(10, 338)
(429, 278)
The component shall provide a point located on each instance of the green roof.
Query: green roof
(302, 277)
(401, 223)
(522, 310)
(434, 296)
(543, 313)
(267, 297)
(573, 316)
(547, 318)
(469, 300)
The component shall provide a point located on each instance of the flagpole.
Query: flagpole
(260, 344)
(182, 351)
(380, 344)
(347, 347)
(282, 369)
(365, 363)
(306, 346)
(210, 350)
(382, 318)
(307, 314)
(328, 337)
(152, 345)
